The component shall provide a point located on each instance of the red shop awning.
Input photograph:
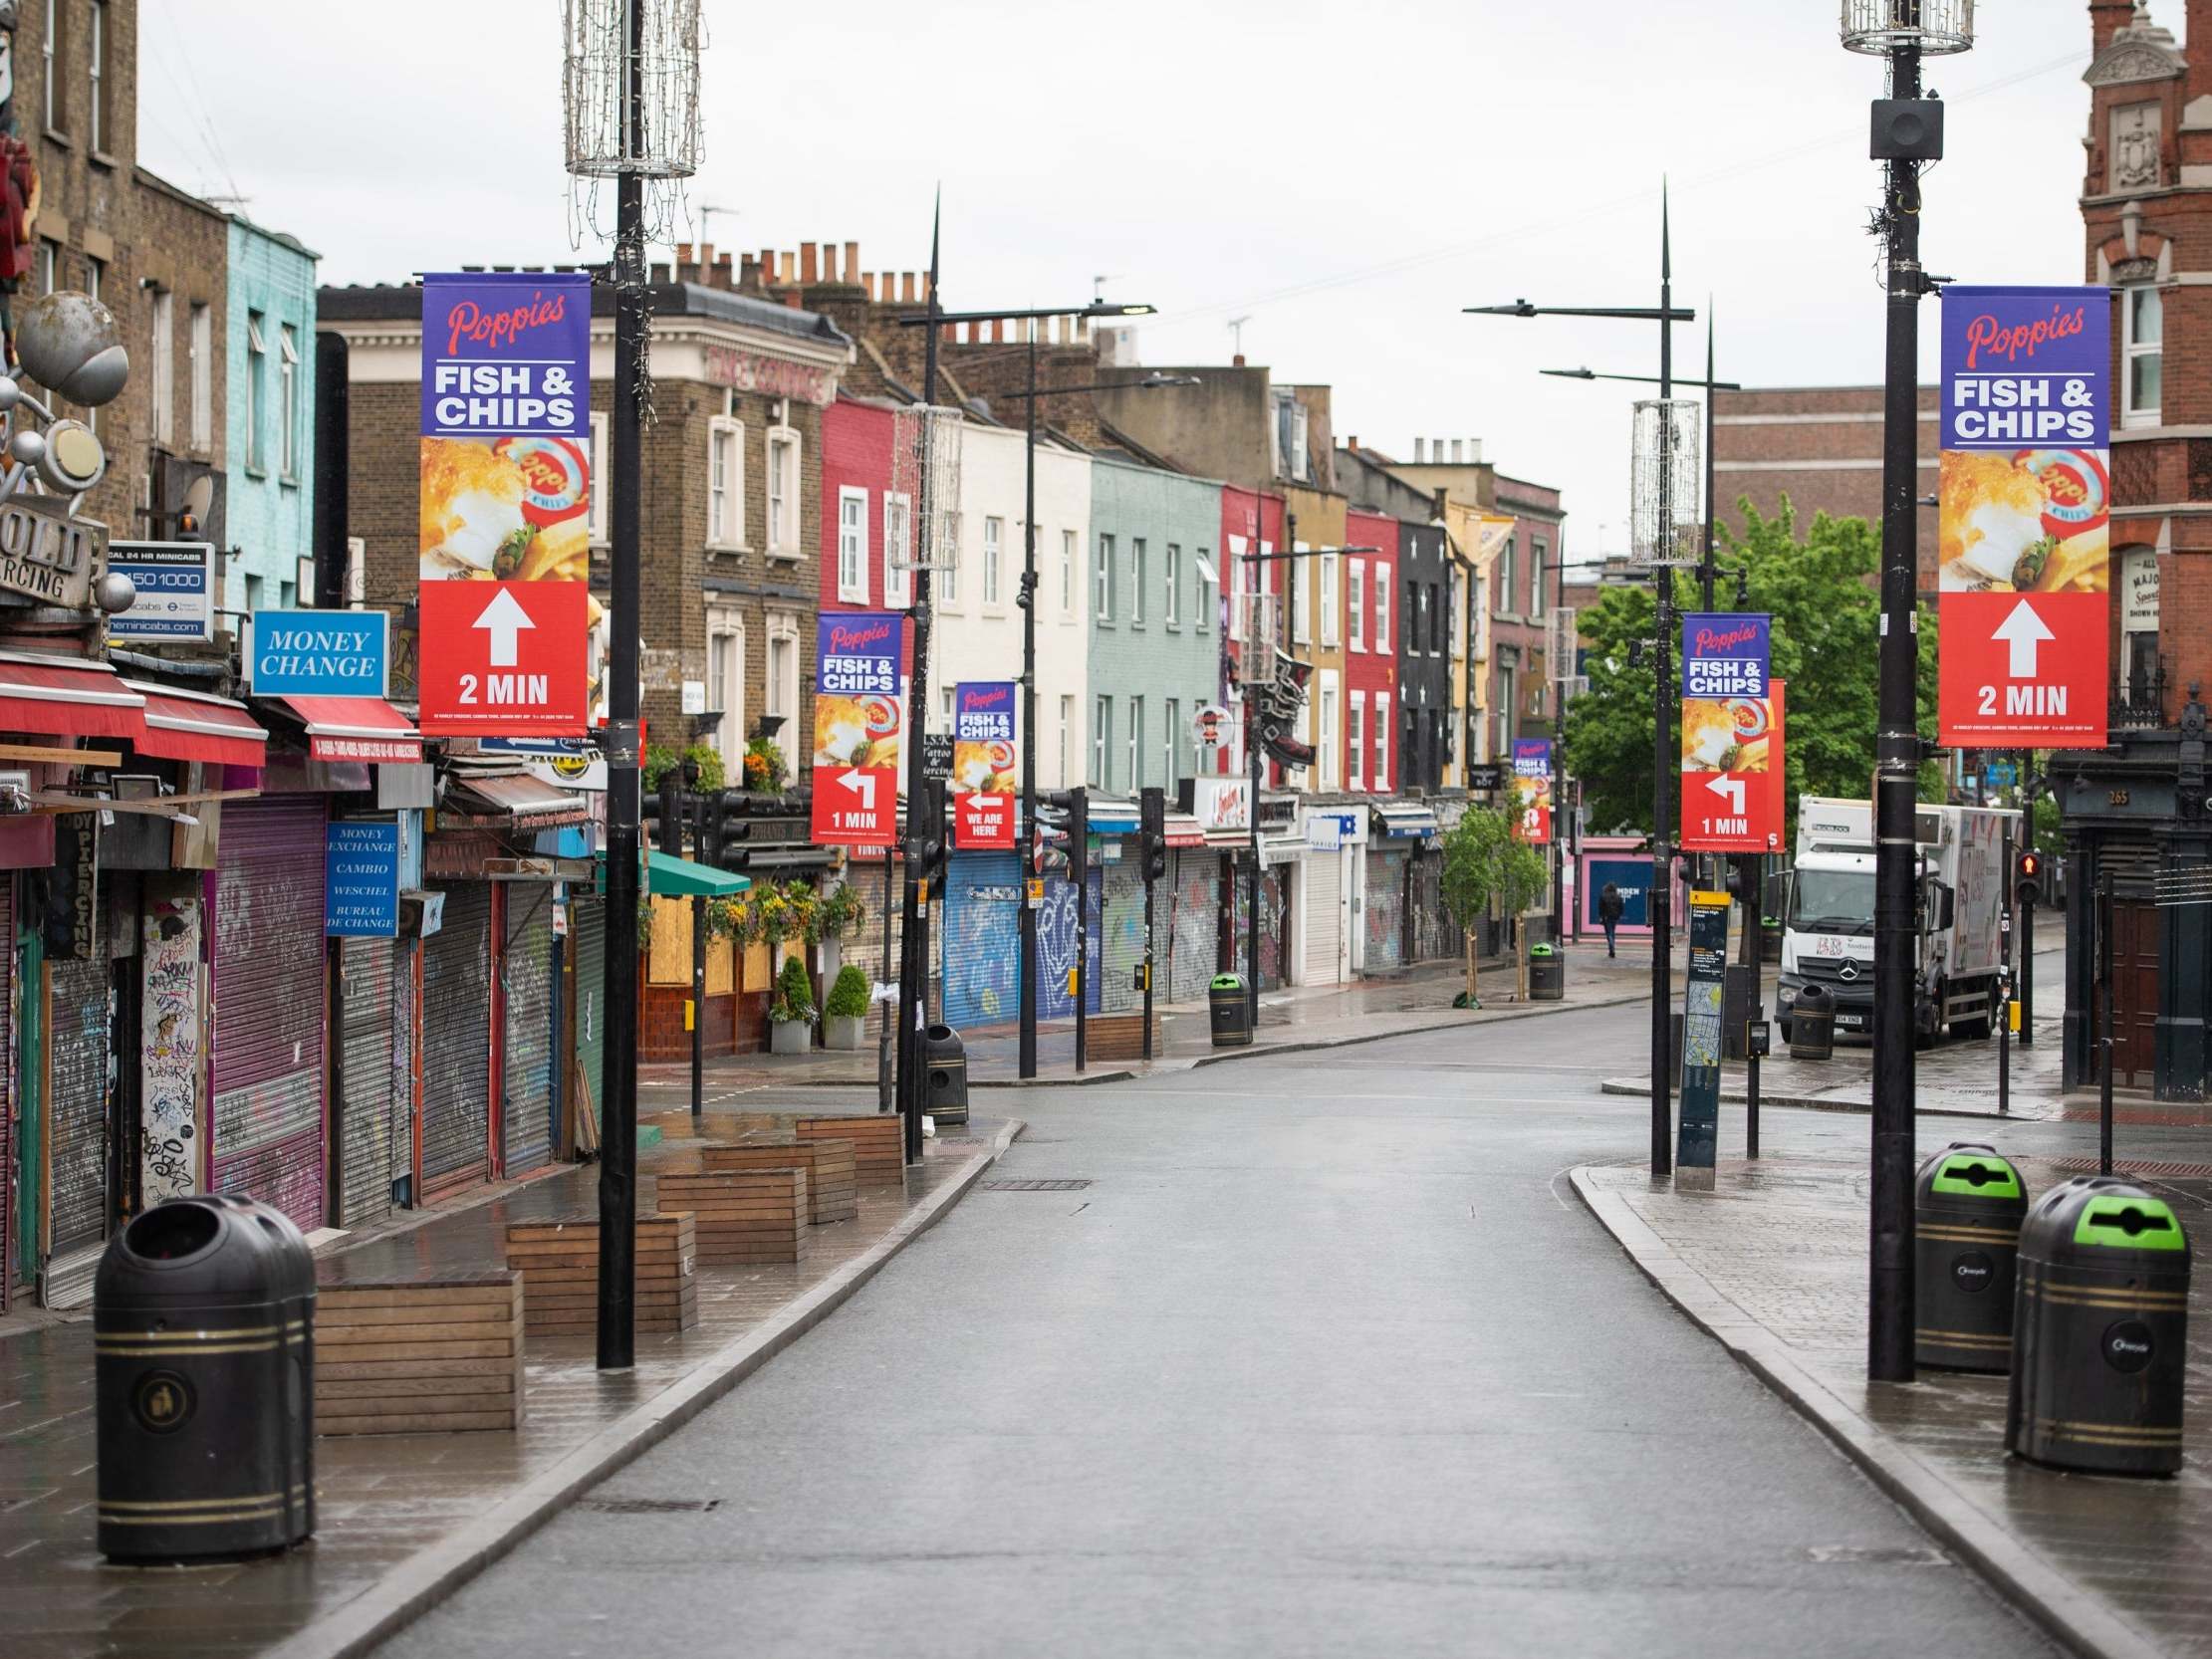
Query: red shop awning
(193, 726)
(355, 729)
(68, 696)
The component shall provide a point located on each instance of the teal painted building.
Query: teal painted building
(270, 476)
(1155, 623)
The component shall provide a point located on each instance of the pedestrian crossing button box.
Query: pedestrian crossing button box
(1968, 1204)
(2100, 1330)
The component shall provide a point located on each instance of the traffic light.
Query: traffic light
(1063, 820)
(668, 827)
(1048, 848)
(926, 834)
(2027, 876)
(1151, 808)
(724, 829)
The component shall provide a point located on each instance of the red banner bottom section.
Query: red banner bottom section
(855, 806)
(2023, 671)
(503, 658)
(983, 821)
(1729, 811)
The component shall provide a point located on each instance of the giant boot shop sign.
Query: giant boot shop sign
(2025, 540)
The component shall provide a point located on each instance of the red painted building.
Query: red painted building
(1251, 523)
(1370, 633)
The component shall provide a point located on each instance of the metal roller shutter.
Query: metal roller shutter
(526, 1070)
(372, 1151)
(1058, 922)
(982, 940)
(8, 1107)
(457, 1042)
(587, 949)
(1122, 932)
(1324, 925)
(1274, 924)
(1192, 933)
(270, 1018)
(78, 1070)
(1385, 909)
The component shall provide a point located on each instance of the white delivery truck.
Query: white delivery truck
(1827, 933)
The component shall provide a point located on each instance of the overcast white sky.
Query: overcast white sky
(1346, 176)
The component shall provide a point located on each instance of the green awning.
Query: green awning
(667, 876)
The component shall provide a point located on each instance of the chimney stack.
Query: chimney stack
(807, 270)
(1474, 452)
(1237, 361)
(2107, 19)
(1456, 453)
(706, 262)
(683, 255)
(906, 288)
(784, 267)
(851, 261)
(1420, 451)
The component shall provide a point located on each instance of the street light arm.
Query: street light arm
(1633, 314)
(1641, 379)
(922, 319)
(1300, 553)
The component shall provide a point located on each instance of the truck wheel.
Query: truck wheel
(1782, 1029)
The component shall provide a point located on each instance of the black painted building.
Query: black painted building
(1427, 723)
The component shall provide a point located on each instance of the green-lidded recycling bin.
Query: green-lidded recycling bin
(1968, 1204)
(2100, 1330)
(1230, 1011)
(945, 1059)
(1546, 974)
(202, 1342)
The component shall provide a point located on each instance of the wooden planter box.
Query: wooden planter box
(560, 1264)
(1118, 1037)
(878, 1142)
(414, 1356)
(832, 1190)
(741, 1217)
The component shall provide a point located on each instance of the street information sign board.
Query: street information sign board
(2024, 538)
(1731, 747)
(857, 711)
(1699, 1137)
(505, 547)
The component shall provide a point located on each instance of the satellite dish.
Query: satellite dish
(199, 498)
(1205, 571)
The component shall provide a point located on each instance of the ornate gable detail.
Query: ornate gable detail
(2140, 52)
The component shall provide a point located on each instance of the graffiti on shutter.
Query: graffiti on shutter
(456, 1041)
(1122, 932)
(1385, 909)
(78, 1049)
(982, 939)
(269, 1019)
(1193, 939)
(526, 1074)
(588, 946)
(1274, 914)
(171, 1047)
(1058, 928)
(371, 1155)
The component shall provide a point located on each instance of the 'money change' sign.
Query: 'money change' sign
(320, 653)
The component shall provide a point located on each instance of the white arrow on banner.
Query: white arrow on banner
(862, 783)
(504, 619)
(1730, 790)
(2022, 632)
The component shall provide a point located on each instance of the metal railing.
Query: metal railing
(2139, 704)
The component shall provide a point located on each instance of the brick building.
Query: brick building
(733, 471)
(1819, 449)
(2136, 810)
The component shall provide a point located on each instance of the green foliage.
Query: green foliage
(794, 999)
(848, 996)
(1483, 864)
(1821, 591)
(659, 757)
(839, 914)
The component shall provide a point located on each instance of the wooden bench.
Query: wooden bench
(742, 1217)
(832, 1190)
(878, 1142)
(560, 1264)
(408, 1356)
(1118, 1037)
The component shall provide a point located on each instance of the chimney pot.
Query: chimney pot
(868, 283)
(683, 253)
(784, 267)
(905, 287)
(1456, 453)
(768, 263)
(1237, 361)
(1420, 451)
(807, 270)
(1474, 452)
(851, 261)
(659, 273)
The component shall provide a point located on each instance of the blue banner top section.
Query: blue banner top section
(856, 654)
(1725, 653)
(507, 353)
(983, 713)
(1532, 757)
(2027, 368)
(320, 653)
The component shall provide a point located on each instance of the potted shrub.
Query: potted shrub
(844, 1016)
(790, 1009)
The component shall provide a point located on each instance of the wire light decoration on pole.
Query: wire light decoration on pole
(925, 466)
(1260, 651)
(629, 86)
(1901, 31)
(1665, 529)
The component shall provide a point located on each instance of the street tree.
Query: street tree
(1822, 592)
(1484, 866)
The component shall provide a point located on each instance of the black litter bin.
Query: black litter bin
(1813, 1024)
(1230, 1010)
(1967, 1206)
(2100, 1330)
(946, 1058)
(1546, 974)
(202, 1325)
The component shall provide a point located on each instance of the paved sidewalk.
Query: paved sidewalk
(402, 1518)
(1299, 1017)
(1773, 1262)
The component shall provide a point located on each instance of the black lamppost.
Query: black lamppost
(1667, 314)
(932, 319)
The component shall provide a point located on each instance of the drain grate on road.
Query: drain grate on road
(1032, 1186)
(648, 1505)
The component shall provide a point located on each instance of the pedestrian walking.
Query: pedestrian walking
(1610, 907)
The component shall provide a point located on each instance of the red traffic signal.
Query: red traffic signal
(2027, 876)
